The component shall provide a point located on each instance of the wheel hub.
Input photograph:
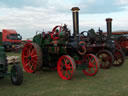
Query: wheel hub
(29, 57)
(104, 59)
(64, 68)
(90, 65)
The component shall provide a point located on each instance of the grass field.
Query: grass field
(111, 82)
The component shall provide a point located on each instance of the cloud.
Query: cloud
(29, 19)
(22, 3)
(123, 2)
(27, 16)
(86, 6)
(101, 6)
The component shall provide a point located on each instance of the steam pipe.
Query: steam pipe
(109, 28)
(75, 13)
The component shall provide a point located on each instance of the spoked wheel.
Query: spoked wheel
(16, 75)
(66, 67)
(119, 58)
(106, 59)
(93, 64)
(31, 57)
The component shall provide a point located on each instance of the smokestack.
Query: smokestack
(75, 14)
(109, 28)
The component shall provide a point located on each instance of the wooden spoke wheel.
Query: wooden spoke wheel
(31, 57)
(119, 58)
(66, 67)
(106, 59)
(93, 64)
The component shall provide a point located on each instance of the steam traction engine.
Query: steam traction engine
(104, 46)
(15, 73)
(121, 38)
(59, 49)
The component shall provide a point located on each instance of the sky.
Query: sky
(29, 16)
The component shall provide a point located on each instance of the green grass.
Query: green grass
(111, 82)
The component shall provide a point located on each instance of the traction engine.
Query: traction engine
(59, 49)
(103, 46)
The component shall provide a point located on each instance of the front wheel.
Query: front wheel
(66, 67)
(16, 75)
(93, 64)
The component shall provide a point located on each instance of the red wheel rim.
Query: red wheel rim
(29, 58)
(66, 67)
(92, 62)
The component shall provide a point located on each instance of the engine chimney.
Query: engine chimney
(75, 14)
(109, 28)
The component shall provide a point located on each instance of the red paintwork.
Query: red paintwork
(124, 44)
(92, 64)
(65, 69)
(117, 33)
(28, 64)
(6, 32)
(117, 45)
(54, 32)
(83, 48)
(27, 41)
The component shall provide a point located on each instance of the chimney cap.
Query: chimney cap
(108, 19)
(75, 9)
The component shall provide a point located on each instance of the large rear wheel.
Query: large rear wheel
(66, 67)
(93, 64)
(31, 57)
(106, 59)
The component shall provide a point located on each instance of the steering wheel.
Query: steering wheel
(84, 32)
(54, 34)
(82, 35)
